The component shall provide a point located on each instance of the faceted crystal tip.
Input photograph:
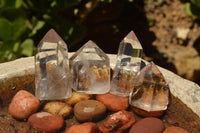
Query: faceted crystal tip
(131, 35)
(51, 36)
(90, 43)
(132, 38)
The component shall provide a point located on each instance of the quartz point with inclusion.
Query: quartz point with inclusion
(90, 68)
(127, 65)
(151, 91)
(52, 68)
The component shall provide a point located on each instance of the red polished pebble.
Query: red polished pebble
(113, 102)
(148, 125)
(118, 122)
(88, 127)
(175, 130)
(46, 122)
(23, 105)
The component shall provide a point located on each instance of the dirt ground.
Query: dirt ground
(168, 35)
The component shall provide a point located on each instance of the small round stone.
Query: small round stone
(89, 110)
(23, 105)
(87, 127)
(113, 102)
(46, 122)
(148, 125)
(174, 129)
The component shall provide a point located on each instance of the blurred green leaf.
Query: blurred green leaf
(2, 2)
(18, 3)
(19, 28)
(196, 2)
(9, 3)
(8, 45)
(38, 26)
(192, 10)
(6, 52)
(16, 47)
(11, 13)
(5, 28)
(24, 21)
(46, 17)
(54, 3)
(26, 47)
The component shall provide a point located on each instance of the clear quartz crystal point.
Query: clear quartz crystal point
(90, 68)
(52, 68)
(151, 91)
(127, 65)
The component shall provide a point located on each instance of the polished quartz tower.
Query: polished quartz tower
(127, 65)
(52, 68)
(90, 69)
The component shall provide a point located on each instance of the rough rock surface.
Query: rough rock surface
(23, 71)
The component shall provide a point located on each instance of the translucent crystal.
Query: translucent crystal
(151, 92)
(90, 68)
(52, 68)
(127, 66)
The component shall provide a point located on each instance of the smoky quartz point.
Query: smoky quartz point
(151, 91)
(90, 68)
(127, 65)
(52, 68)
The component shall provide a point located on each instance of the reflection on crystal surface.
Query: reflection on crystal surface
(151, 92)
(51, 68)
(127, 66)
(90, 68)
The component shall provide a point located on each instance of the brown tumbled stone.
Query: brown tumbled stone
(148, 125)
(89, 110)
(113, 102)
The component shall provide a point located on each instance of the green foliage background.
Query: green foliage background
(193, 8)
(24, 22)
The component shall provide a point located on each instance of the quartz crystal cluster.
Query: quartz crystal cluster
(127, 65)
(151, 91)
(90, 69)
(52, 68)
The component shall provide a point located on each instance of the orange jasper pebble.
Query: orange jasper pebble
(88, 127)
(113, 102)
(118, 122)
(23, 105)
(174, 129)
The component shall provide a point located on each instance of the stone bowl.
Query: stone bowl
(183, 110)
